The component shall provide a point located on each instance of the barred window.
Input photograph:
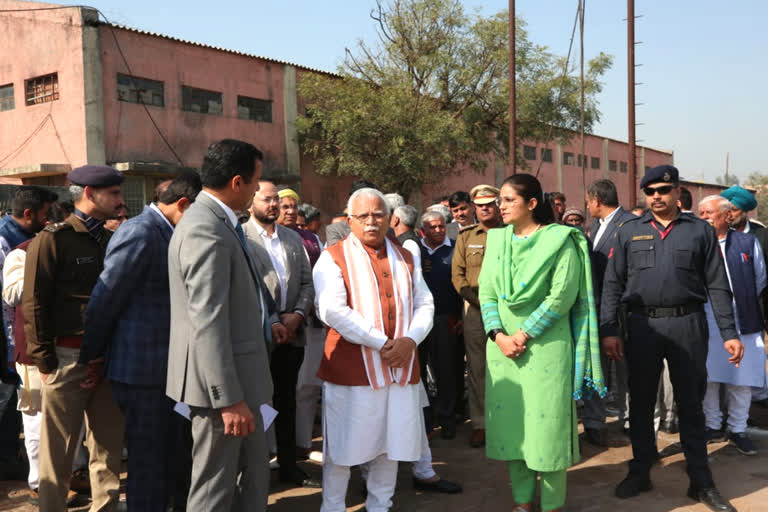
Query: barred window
(612, 165)
(254, 109)
(6, 98)
(41, 89)
(200, 100)
(595, 162)
(568, 159)
(623, 166)
(140, 90)
(546, 155)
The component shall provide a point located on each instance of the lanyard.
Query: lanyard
(664, 233)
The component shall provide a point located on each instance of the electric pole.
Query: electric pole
(632, 156)
(512, 96)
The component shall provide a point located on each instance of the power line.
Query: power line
(562, 79)
(125, 61)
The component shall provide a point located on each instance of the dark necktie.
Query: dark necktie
(267, 328)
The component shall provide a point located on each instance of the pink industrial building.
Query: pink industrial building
(74, 90)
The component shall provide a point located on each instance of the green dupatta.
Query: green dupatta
(588, 372)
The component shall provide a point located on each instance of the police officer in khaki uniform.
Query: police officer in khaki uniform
(467, 260)
(62, 266)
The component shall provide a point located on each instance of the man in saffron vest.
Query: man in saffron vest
(378, 309)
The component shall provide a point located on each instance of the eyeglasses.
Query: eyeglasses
(663, 190)
(505, 201)
(377, 216)
(269, 199)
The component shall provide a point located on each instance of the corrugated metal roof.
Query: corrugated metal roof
(227, 50)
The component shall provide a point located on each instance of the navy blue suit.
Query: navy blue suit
(128, 322)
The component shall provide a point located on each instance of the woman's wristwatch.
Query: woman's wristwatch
(493, 332)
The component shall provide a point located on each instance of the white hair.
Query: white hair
(77, 192)
(394, 201)
(722, 202)
(407, 215)
(432, 215)
(369, 193)
(442, 210)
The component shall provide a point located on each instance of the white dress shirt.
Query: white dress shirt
(277, 256)
(603, 226)
(227, 210)
(431, 251)
(154, 208)
(13, 276)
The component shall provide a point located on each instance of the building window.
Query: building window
(42, 89)
(200, 100)
(623, 166)
(140, 90)
(254, 109)
(595, 163)
(6, 97)
(546, 155)
(529, 152)
(612, 165)
(568, 159)
(134, 194)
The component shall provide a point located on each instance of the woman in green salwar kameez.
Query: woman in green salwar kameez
(538, 310)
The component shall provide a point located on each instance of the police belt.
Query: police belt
(662, 312)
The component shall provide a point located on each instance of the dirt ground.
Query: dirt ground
(743, 480)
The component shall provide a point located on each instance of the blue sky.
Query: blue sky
(704, 64)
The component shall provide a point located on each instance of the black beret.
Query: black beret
(660, 174)
(95, 176)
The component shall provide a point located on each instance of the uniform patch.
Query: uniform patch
(474, 246)
(85, 259)
(642, 237)
(610, 254)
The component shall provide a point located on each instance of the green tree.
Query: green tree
(727, 180)
(433, 94)
(759, 181)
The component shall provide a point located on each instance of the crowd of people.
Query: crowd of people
(178, 333)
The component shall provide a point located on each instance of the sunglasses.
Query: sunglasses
(663, 190)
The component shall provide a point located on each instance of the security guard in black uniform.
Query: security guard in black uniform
(662, 268)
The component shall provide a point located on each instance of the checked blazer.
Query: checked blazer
(128, 317)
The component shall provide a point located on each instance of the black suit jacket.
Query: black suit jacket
(602, 250)
(761, 234)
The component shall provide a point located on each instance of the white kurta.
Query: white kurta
(360, 423)
(751, 370)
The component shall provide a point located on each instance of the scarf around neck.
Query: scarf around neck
(588, 373)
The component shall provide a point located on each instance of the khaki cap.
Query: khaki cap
(484, 194)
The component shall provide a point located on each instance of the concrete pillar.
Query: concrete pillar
(291, 113)
(604, 161)
(498, 171)
(93, 89)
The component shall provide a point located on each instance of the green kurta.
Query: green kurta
(530, 411)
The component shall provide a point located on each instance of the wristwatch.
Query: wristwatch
(493, 332)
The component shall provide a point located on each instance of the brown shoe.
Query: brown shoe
(478, 438)
(34, 499)
(80, 482)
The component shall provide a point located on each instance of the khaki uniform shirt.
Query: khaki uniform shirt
(467, 261)
(63, 264)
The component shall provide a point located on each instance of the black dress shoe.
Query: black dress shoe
(711, 498)
(300, 479)
(448, 430)
(632, 486)
(444, 486)
(594, 436)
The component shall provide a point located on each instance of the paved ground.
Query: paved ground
(742, 479)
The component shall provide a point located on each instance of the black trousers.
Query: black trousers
(683, 342)
(439, 351)
(285, 363)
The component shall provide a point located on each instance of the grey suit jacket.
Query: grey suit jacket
(301, 290)
(216, 314)
(336, 232)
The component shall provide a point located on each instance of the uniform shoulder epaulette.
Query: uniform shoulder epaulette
(59, 226)
(466, 228)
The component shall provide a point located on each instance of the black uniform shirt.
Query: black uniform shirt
(681, 267)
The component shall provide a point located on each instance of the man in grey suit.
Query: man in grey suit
(603, 205)
(220, 327)
(339, 230)
(282, 262)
